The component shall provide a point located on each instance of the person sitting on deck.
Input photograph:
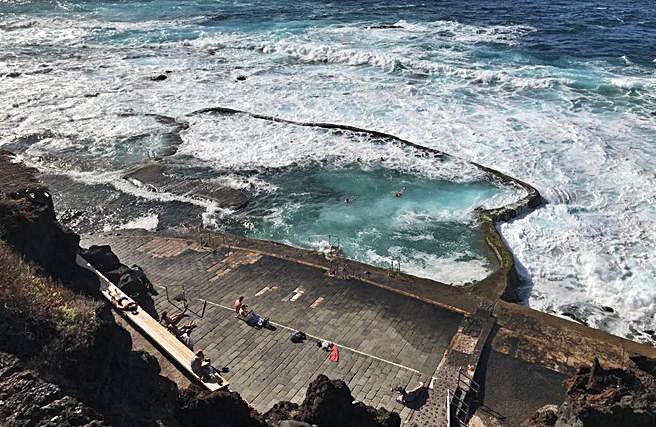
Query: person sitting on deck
(179, 331)
(187, 340)
(408, 396)
(202, 367)
(167, 320)
(239, 302)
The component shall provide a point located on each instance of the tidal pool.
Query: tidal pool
(430, 228)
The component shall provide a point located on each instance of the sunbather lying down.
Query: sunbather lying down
(166, 320)
(252, 318)
(122, 301)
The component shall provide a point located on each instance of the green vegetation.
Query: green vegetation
(39, 317)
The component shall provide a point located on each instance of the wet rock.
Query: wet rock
(209, 409)
(159, 78)
(385, 27)
(574, 317)
(70, 215)
(160, 178)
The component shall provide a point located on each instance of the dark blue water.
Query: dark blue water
(564, 29)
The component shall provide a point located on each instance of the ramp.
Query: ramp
(153, 329)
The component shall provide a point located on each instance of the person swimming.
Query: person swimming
(400, 192)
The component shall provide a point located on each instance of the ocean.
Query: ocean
(558, 94)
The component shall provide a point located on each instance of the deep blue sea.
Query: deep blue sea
(559, 94)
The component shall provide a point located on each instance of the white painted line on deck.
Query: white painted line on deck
(389, 362)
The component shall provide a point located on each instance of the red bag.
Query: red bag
(334, 354)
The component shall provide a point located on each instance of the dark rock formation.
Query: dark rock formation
(29, 401)
(158, 177)
(330, 403)
(604, 398)
(29, 225)
(203, 408)
(101, 257)
(385, 27)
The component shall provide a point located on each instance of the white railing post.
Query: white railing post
(448, 408)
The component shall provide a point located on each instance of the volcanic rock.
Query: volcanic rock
(330, 402)
(205, 409)
(604, 398)
(28, 400)
(101, 258)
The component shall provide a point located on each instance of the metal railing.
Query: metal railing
(395, 269)
(467, 389)
(181, 298)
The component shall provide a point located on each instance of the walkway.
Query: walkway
(385, 339)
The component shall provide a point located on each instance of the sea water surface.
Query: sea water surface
(559, 94)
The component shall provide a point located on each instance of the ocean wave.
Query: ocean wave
(318, 53)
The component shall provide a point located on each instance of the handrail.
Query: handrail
(448, 407)
(185, 303)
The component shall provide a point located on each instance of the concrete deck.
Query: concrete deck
(385, 339)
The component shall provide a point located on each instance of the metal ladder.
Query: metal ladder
(466, 390)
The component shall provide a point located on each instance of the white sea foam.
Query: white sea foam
(147, 222)
(591, 154)
(457, 269)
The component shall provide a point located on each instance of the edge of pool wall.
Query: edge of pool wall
(504, 281)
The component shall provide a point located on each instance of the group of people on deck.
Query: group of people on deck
(183, 333)
(202, 366)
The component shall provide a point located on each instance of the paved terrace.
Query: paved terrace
(385, 338)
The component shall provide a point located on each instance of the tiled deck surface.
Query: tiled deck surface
(385, 339)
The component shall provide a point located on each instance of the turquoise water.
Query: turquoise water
(560, 94)
(429, 229)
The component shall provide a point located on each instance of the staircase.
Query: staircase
(454, 389)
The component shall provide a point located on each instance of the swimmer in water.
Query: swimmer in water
(349, 200)
(400, 192)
